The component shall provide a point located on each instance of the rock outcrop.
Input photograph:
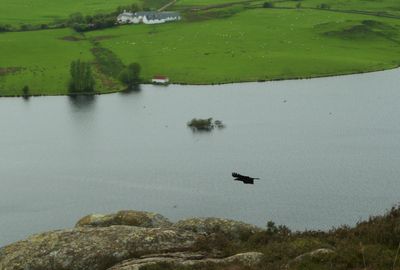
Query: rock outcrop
(123, 241)
(195, 260)
(233, 229)
(126, 217)
(90, 248)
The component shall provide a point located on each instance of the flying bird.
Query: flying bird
(245, 179)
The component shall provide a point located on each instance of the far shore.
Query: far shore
(310, 77)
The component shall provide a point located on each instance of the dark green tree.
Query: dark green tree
(268, 5)
(82, 80)
(25, 92)
(130, 76)
(76, 18)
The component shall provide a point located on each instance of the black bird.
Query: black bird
(245, 179)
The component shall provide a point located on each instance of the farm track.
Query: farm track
(220, 5)
(368, 13)
(360, 12)
(166, 6)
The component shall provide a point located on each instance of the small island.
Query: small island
(204, 124)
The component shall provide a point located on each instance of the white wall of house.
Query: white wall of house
(160, 80)
(146, 21)
(127, 17)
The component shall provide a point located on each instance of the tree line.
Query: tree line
(77, 21)
(82, 80)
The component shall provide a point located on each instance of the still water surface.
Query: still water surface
(327, 150)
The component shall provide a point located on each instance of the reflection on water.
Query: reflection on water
(134, 90)
(327, 151)
(82, 102)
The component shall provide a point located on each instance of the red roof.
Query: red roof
(160, 77)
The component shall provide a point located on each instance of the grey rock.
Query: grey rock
(314, 254)
(90, 248)
(125, 217)
(190, 259)
(320, 254)
(100, 242)
(231, 228)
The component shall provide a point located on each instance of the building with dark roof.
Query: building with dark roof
(148, 17)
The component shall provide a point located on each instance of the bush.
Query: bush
(27, 27)
(205, 124)
(323, 6)
(98, 21)
(268, 5)
(201, 124)
(5, 28)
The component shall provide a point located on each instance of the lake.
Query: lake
(327, 152)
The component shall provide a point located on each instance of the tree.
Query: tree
(82, 80)
(130, 75)
(25, 92)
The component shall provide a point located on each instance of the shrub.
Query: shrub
(268, 5)
(5, 28)
(324, 6)
(201, 124)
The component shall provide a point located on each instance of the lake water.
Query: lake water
(327, 150)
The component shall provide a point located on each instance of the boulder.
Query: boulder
(321, 254)
(316, 254)
(192, 260)
(126, 217)
(231, 228)
(90, 248)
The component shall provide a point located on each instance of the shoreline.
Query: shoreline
(309, 77)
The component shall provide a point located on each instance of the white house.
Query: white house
(148, 17)
(160, 79)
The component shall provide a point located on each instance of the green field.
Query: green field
(39, 59)
(379, 6)
(16, 12)
(220, 45)
(253, 45)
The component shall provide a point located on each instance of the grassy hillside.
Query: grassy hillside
(260, 44)
(38, 59)
(377, 6)
(236, 43)
(16, 12)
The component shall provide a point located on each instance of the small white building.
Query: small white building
(148, 17)
(160, 79)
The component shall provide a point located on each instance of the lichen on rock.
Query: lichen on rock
(122, 239)
(233, 229)
(125, 217)
(90, 248)
(195, 260)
